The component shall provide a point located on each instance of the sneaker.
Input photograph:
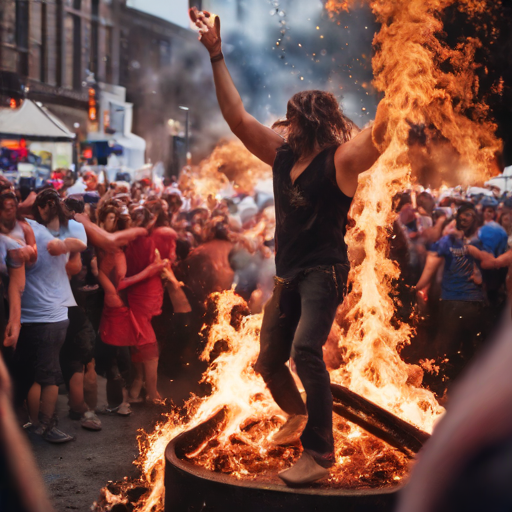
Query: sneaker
(290, 431)
(90, 421)
(38, 430)
(304, 471)
(56, 436)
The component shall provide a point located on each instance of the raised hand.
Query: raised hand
(209, 30)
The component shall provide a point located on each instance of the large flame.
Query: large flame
(229, 163)
(407, 68)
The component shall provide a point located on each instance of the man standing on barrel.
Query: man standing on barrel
(315, 172)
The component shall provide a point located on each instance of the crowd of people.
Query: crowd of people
(113, 280)
(454, 255)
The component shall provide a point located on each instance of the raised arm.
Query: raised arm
(109, 242)
(260, 140)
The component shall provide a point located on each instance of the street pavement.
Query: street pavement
(75, 472)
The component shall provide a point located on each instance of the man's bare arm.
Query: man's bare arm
(30, 239)
(57, 247)
(505, 260)
(15, 291)
(260, 140)
(482, 256)
(109, 242)
(432, 264)
(74, 264)
(150, 271)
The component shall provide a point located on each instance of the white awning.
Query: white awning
(33, 122)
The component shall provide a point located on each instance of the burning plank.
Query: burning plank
(377, 421)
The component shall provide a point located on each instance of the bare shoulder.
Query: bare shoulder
(349, 154)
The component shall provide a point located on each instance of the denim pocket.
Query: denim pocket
(340, 276)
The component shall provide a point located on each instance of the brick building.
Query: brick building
(51, 50)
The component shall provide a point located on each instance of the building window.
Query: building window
(77, 52)
(93, 57)
(165, 53)
(22, 30)
(59, 78)
(43, 60)
(108, 55)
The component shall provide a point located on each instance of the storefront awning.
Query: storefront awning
(33, 122)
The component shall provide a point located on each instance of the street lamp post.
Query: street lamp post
(186, 109)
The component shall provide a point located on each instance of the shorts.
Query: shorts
(37, 353)
(78, 348)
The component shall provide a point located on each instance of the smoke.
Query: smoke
(275, 48)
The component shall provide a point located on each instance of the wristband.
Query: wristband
(217, 58)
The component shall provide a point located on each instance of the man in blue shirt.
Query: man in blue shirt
(462, 293)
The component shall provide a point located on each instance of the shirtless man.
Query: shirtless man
(315, 170)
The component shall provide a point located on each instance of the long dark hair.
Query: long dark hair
(156, 208)
(49, 195)
(314, 118)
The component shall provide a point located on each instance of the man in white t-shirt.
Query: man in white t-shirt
(44, 315)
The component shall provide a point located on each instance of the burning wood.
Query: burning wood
(378, 421)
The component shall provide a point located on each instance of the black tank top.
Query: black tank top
(311, 214)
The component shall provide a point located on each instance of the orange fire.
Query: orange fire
(418, 92)
(407, 69)
(230, 164)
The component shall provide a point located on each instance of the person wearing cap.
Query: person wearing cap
(44, 314)
(462, 293)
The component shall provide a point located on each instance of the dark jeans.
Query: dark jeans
(460, 332)
(296, 322)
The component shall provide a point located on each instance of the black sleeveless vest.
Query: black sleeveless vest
(311, 214)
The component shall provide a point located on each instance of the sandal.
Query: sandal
(124, 409)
